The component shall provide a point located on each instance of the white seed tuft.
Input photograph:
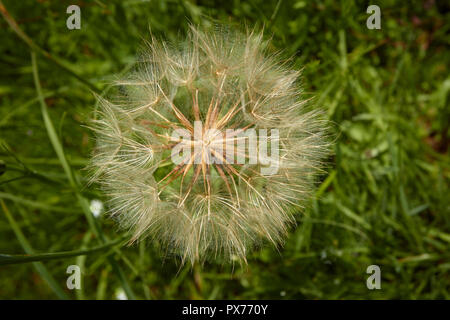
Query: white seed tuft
(197, 209)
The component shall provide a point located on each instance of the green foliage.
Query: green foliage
(383, 200)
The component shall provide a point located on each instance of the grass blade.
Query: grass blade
(6, 259)
(33, 46)
(41, 269)
(57, 146)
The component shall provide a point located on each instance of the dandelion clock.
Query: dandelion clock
(208, 147)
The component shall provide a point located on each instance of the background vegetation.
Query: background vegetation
(384, 199)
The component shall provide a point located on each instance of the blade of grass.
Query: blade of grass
(35, 48)
(101, 288)
(27, 171)
(325, 184)
(36, 204)
(40, 268)
(57, 146)
(352, 215)
(6, 259)
(142, 257)
(275, 12)
(80, 261)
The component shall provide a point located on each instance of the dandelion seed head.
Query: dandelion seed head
(207, 206)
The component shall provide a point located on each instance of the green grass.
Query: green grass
(383, 200)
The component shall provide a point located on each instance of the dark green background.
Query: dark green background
(383, 199)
